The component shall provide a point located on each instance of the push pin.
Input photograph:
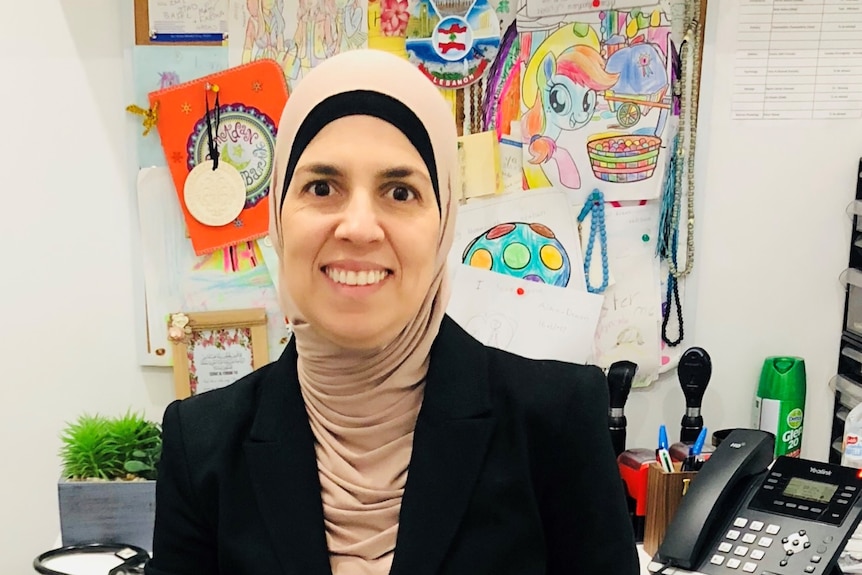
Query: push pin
(596, 3)
(520, 291)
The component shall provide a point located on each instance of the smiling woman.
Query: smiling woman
(352, 217)
(385, 439)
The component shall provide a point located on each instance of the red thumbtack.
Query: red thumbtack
(596, 3)
(520, 291)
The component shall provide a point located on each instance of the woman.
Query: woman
(385, 439)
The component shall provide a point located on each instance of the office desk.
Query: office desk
(101, 564)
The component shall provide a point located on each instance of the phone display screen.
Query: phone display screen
(809, 490)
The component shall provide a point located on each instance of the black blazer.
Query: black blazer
(512, 473)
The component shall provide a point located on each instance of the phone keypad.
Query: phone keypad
(742, 548)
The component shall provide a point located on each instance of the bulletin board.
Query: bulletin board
(584, 281)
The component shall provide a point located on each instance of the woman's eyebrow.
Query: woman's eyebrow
(321, 170)
(401, 172)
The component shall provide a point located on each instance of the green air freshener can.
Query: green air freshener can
(780, 403)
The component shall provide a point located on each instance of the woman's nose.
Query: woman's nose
(359, 221)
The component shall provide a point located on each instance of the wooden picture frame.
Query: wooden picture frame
(142, 29)
(228, 344)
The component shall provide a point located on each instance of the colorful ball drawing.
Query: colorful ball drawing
(528, 251)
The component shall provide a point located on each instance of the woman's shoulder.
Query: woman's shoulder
(534, 389)
(219, 412)
(547, 386)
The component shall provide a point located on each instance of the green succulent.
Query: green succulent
(99, 447)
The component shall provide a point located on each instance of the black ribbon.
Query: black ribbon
(213, 117)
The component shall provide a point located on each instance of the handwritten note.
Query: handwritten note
(529, 319)
(511, 165)
(188, 17)
(630, 323)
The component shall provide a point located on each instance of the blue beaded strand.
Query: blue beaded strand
(595, 206)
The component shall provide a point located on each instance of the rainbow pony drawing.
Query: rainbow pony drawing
(560, 88)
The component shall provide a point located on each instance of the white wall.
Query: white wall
(771, 240)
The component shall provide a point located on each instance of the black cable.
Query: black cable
(133, 557)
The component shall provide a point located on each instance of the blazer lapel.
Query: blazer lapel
(283, 465)
(451, 437)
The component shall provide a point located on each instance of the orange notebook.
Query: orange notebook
(251, 99)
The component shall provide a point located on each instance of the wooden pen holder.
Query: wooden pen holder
(664, 493)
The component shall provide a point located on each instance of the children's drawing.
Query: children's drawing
(529, 236)
(168, 78)
(298, 34)
(176, 279)
(534, 320)
(159, 67)
(528, 251)
(501, 104)
(452, 41)
(493, 329)
(596, 98)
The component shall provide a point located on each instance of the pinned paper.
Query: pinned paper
(527, 235)
(511, 162)
(480, 165)
(533, 320)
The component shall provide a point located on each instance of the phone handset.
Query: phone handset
(744, 453)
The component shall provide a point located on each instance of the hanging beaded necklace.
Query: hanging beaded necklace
(595, 206)
(681, 172)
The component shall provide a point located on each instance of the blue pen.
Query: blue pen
(693, 461)
(662, 455)
(697, 448)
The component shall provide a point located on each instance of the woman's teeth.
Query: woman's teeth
(353, 278)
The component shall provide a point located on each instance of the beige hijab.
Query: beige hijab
(363, 406)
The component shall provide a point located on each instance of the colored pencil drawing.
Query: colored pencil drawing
(298, 34)
(453, 42)
(527, 251)
(596, 100)
(176, 279)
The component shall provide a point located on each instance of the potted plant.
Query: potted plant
(107, 489)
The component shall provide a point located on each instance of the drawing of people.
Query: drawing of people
(352, 17)
(559, 89)
(264, 33)
(304, 36)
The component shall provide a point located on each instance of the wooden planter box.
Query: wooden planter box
(107, 512)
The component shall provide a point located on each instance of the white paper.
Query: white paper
(547, 208)
(533, 320)
(511, 161)
(177, 280)
(630, 324)
(798, 63)
(188, 16)
(539, 8)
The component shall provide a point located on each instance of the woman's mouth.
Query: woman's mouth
(356, 278)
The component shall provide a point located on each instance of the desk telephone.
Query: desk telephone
(740, 515)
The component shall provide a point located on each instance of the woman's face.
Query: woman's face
(360, 226)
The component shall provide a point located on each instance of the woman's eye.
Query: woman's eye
(401, 194)
(321, 189)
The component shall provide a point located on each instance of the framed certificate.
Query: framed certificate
(215, 348)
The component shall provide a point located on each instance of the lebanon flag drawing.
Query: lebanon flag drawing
(452, 38)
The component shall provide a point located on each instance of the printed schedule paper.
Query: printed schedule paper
(798, 60)
(189, 19)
